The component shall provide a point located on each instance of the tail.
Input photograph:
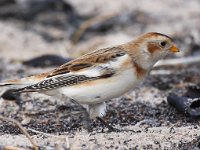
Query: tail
(18, 85)
(13, 84)
(12, 88)
(23, 82)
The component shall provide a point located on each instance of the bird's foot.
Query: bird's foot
(111, 128)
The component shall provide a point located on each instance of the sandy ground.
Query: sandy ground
(156, 125)
(153, 138)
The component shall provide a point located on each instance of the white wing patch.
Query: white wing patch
(94, 71)
(98, 70)
(119, 61)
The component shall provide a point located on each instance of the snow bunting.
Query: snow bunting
(102, 74)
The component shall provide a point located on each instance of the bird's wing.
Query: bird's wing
(92, 59)
(90, 67)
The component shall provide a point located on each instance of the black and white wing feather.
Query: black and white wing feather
(68, 80)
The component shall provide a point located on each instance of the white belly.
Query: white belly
(102, 90)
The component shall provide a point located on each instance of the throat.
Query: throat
(145, 64)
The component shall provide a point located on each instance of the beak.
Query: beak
(174, 49)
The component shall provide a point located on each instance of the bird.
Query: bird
(102, 74)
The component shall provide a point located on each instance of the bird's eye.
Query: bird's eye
(163, 43)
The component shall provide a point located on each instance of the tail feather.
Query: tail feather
(23, 82)
(4, 84)
(12, 88)
(18, 83)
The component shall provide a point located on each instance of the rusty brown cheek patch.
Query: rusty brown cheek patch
(152, 47)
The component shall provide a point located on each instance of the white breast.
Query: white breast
(103, 89)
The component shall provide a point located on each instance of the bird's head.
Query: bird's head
(151, 47)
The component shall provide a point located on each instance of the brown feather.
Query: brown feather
(88, 60)
(79, 66)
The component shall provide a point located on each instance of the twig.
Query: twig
(174, 62)
(23, 130)
(66, 139)
(90, 22)
(161, 72)
(12, 148)
(46, 134)
(178, 61)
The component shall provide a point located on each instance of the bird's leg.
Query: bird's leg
(110, 128)
(99, 110)
(85, 114)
